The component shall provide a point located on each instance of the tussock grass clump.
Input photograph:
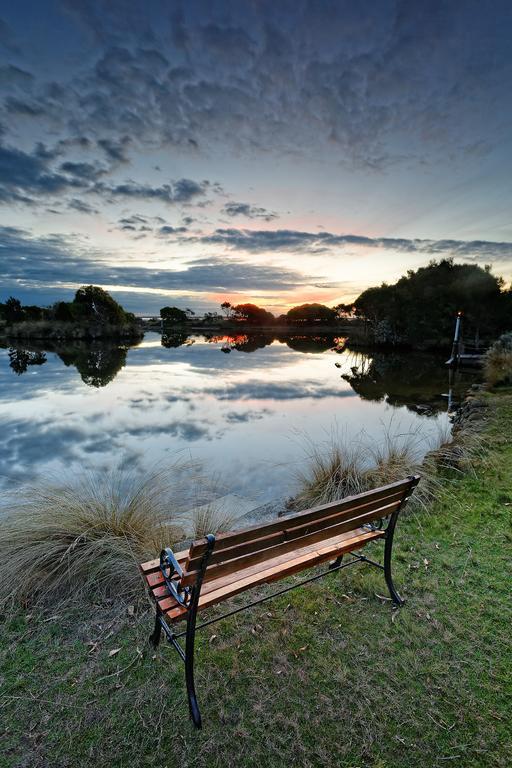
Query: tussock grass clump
(340, 468)
(86, 538)
(210, 518)
(498, 361)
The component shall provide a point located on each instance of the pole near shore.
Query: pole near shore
(455, 356)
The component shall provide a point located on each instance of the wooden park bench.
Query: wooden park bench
(216, 568)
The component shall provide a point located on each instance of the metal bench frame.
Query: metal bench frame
(188, 597)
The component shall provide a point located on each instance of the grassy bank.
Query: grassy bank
(55, 330)
(328, 675)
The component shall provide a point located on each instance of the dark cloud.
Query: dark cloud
(249, 211)
(260, 241)
(15, 77)
(143, 224)
(50, 261)
(168, 230)
(25, 175)
(116, 150)
(181, 191)
(16, 106)
(75, 204)
(134, 220)
(85, 171)
(374, 83)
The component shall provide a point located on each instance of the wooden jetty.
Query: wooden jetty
(464, 355)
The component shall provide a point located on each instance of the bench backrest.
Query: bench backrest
(242, 549)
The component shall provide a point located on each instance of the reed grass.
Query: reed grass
(86, 538)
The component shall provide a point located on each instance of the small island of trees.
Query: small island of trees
(93, 313)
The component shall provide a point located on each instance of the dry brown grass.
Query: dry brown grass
(209, 518)
(86, 538)
(339, 468)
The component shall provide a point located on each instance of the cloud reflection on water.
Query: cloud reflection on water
(238, 413)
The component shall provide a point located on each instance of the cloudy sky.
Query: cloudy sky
(277, 152)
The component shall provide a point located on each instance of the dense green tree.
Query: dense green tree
(252, 314)
(311, 314)
(173, 315)
(63, 311)
(93, 303)
(420, 308)
(13, 311)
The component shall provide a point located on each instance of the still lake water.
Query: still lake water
(244, 414)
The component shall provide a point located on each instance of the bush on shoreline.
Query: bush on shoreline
(498, 361)
(52, 329)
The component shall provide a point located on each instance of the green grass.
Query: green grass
(328, 675)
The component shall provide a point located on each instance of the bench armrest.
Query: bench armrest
(168, 561)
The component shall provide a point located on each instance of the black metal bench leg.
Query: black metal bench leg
(388, 548)
(336, 563)
(157, 632)
(195, 714)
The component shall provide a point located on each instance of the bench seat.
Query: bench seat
(218, 590)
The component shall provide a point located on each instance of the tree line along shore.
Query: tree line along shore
(416, 312)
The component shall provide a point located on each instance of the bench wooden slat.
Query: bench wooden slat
(232, 538)
(159, 589)
(287, 544)
(294, 527)
(274, 571)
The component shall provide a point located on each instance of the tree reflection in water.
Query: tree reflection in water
(172, 340)
(20, 359)
(415, 381)
(399, 378)
(97, 362)
(306, 343)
